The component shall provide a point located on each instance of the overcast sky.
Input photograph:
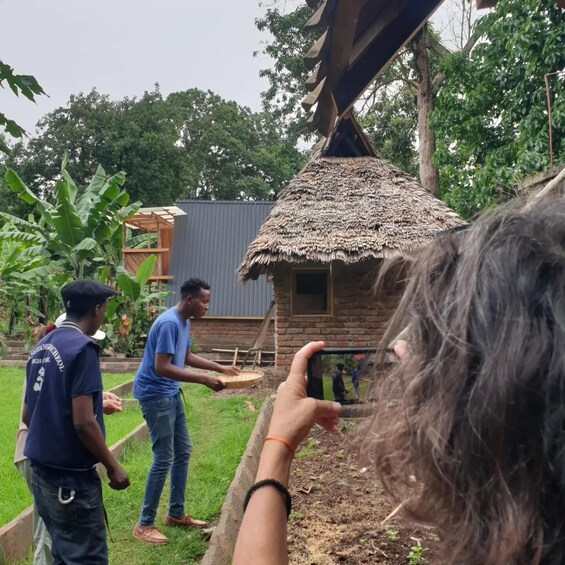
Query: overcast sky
(123, 47)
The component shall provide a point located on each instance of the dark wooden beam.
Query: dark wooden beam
(486, 4)
(312, 97)
(316, 76)
(371, 33)
(317, 51)
(322, 16)
(376, 56)
(341, 43)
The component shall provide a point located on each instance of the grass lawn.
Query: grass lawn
(329, 395)
(219, 428)
(13, 490)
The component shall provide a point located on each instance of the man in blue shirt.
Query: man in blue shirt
(63, 411)
(157, 387)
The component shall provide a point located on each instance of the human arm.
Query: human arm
(263, 532)
(111, 403)
(25, 415)
(165, 368)
(201, 363)
(90, 435)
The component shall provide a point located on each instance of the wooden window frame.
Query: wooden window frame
(305, 270)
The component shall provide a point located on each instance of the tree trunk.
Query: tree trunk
(429, 173)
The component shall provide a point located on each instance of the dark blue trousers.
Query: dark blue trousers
(77, 528)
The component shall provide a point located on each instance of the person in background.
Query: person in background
(355, 374)
(157, 387)
(468, 427)
(111, 404)
(338, 386)
(65, 438)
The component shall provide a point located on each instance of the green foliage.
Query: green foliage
(234, 154)
(416, 554)
(25, 85)
(290, 41)
(391, 533)
(193, 144)
(391, 126)
(77, 232)
(491, 114)
(129, 315)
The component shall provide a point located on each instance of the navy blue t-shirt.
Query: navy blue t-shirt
(62, 366)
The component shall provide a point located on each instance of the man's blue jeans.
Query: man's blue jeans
(171, 447)
(75, 524)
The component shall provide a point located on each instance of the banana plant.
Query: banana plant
(130, 313)
(78, 230)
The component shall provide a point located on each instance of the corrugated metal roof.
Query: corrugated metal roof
(210, 243)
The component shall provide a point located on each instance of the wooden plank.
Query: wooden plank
(312, 97)
(379, 53)
(318, 74)
(342, 36)
(322, 16)
(386, 17)
(316, 52)
(486, 4)
(146, 250)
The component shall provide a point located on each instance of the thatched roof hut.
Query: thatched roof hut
(346, 209)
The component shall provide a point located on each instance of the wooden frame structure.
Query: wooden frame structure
(151, 220)
(359, 38)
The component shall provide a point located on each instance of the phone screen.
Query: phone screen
(339, 374)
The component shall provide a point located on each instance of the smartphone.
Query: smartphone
(336, 373)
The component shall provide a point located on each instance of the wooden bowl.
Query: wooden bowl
(245, 378)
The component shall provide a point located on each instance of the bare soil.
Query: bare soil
(340, 512)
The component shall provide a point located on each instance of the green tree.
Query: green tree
(192, 144)
(233, 153)
(491, 115)
(288, 44)
(27, 86)
(79, 232)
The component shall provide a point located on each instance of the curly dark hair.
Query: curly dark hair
(193, 286)
(469, 427)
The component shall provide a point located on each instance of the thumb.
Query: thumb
(327, 409)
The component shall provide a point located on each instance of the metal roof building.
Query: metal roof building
(210, 243)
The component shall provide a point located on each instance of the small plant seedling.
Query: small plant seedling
(416, 554)
(363, 541)
(391, 534)
(295, 515)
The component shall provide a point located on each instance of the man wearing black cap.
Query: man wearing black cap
(63, 410)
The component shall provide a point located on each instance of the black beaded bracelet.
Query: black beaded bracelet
(269, 483)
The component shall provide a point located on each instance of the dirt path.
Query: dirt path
(338, 508)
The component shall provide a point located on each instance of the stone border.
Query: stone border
(16, 537)
(222, 543)
(124, 388)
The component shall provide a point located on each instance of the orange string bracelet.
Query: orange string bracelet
(282, 440)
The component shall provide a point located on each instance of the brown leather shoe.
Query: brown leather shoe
(149, 534)
(185, 521)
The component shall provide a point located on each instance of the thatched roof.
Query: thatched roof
(346, 209)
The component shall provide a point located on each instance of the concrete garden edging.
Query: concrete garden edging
(222, 542)
(16, 539)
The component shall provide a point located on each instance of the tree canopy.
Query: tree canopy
(491, 116)
(192, 144)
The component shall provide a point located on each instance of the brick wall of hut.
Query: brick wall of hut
(358, 316)
(229, 333)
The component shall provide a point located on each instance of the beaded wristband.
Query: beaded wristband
(269, 483)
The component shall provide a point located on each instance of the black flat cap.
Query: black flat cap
(85, 292)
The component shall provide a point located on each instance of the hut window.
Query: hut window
(311, 293)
